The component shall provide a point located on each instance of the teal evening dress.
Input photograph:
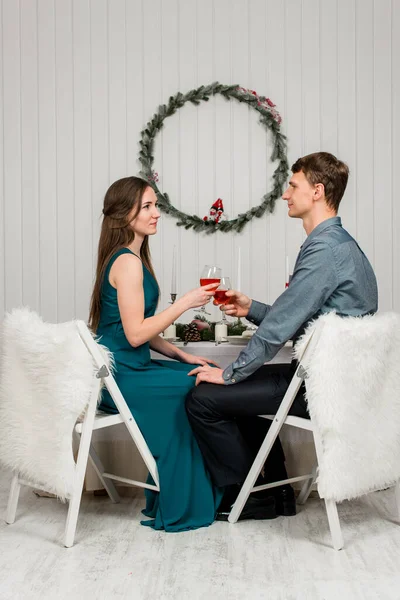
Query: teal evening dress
(155, 392)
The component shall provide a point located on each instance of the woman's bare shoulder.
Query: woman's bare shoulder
(126, 265)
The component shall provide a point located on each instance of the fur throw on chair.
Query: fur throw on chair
(353, 393)
(46, 379)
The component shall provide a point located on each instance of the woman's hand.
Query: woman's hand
(199, 296)
(191, 359)
(208, 374)
(239, 304)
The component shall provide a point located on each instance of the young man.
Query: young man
(331, 274)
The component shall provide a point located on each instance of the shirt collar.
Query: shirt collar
(321, 227)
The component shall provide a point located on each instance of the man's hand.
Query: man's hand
(239, 304)
(208, 374)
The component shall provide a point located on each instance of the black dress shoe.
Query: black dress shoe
(285, 501)
(255, 508)
(230, 494)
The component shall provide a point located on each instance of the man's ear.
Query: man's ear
(319, 191)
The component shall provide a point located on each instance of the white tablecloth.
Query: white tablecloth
(119, 455)
(225, 353)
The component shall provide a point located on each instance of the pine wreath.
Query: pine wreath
(269, 118)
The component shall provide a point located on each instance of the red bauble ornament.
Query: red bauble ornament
(200, 324)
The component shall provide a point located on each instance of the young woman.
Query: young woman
(123, 304)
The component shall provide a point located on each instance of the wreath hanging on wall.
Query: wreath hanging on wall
(269, 119)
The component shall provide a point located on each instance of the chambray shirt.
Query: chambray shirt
(331, 274)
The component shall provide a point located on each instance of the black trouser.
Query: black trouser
(229, 434)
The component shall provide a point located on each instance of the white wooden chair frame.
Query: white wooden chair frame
(92, 421)
(282, 418)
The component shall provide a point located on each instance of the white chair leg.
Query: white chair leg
(241, 500)
(13, 500)
(255, 470)
(265, 448)
(107, 483)
(306, 489)
(334, 524)
(330, 505)
(81, 463)
(72, 517)
(397, 497)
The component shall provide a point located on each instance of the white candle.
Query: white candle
(239, 267)
(287, 271)
(221, 331)
(170, 332)
(173, 281)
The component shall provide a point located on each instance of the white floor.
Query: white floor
(115, 557)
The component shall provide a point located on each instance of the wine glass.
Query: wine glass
(208, 275)
(221, 297)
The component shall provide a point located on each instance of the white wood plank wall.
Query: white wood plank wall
(80, 78)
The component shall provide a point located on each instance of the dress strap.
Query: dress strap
(114, 258)
(134, 254)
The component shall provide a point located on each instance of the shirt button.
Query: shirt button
(233, 380)
(243, 362)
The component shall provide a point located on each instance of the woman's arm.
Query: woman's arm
(126, 276)
(166, 348)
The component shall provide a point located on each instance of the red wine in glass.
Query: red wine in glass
(209, 275)
(208, 280)
(220, 297)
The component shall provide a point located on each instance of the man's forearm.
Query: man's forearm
(258, 311)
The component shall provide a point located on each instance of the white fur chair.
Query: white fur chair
(351, 369)
(50, 376)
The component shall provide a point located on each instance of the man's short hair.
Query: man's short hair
(323, 167)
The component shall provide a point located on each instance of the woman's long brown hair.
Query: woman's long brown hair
(122, 197)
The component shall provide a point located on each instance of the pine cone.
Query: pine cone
(191, 333)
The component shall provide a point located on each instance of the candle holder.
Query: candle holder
(170, 332)
(218, 342)
(173, 298)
